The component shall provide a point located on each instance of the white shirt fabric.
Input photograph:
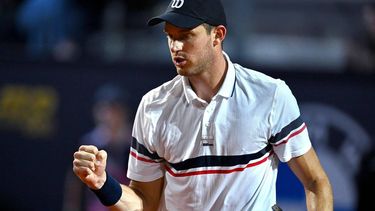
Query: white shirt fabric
(221, 155)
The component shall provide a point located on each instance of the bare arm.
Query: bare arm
(89, 165)
(315, 181)
(140, 196)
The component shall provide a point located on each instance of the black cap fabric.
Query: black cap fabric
(191, 13)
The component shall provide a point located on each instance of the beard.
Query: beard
(192, 69)
(196, 65)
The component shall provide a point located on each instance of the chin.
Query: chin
(182, 71)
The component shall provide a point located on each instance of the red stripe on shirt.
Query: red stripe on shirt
(292, 135)
(141, 158)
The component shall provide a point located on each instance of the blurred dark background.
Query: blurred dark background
(55, 54)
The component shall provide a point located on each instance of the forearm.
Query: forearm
(319, 196)
(140, 196)
(117, 196)
(129, 201)
(315, 181)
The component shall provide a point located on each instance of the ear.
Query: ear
(219, 34)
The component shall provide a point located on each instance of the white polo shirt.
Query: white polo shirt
(221, 155)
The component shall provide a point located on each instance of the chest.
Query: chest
(223, 127)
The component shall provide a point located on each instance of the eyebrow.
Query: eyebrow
(180, 31)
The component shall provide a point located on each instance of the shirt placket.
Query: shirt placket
(208, 132)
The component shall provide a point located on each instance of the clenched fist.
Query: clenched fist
(89, 165)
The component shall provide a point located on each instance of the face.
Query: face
(191, 50)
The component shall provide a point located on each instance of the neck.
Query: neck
(207, 84)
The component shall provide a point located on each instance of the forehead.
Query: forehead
(169, 28)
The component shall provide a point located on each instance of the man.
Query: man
(211, 138)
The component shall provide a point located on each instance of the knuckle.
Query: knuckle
(91, 158)
(88, 148)
(82, 148)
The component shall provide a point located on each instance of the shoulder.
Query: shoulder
(254, 75)
(164, 93)
(257, 81)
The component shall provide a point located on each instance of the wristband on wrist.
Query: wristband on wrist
(110, 192)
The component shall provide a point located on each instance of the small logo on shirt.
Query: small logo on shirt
(207, 142)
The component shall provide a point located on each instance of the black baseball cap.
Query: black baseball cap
(191, 13)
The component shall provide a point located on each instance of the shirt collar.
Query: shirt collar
(225, 90)
(189, 92)
(227, 87)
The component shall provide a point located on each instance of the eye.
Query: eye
(183, 36)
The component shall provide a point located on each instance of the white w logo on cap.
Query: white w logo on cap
(177, 3)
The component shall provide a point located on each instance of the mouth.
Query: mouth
(179, 61)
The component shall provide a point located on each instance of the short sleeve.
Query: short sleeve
(145, 165)
(289, 135)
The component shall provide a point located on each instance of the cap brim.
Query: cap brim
(176, 19)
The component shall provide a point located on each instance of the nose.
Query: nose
(176, 45)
